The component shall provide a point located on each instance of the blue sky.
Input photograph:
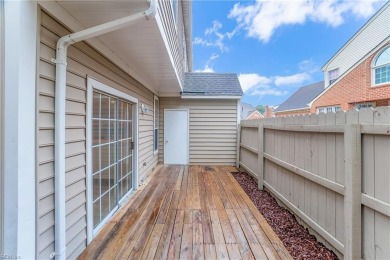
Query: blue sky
(274, 46)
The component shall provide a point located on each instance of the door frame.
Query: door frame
(92, 85)
(188, 130)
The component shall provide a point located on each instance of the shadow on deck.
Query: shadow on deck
(188, 212)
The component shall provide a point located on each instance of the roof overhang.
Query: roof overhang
(142, 50)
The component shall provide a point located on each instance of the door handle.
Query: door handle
(166, 141)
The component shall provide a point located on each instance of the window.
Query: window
(364, 105)
(333, 75)
(328, 109)
(156, 125)
(381, 67)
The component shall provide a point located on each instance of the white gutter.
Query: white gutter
(60, 94)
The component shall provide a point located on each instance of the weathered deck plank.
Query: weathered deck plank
(188, 212)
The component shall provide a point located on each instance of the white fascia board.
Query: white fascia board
(20, 81)
(211, 97)
(57, 11)
(378, 47)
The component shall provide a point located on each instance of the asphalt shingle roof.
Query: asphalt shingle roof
(302, 97)
(211, 84)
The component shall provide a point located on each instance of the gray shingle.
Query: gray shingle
(211, 84)
(302, 97)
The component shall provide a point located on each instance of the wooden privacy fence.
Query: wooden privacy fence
(331, 170)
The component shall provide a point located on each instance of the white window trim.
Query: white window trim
(373, 67)
(154, 123)
(91, 86)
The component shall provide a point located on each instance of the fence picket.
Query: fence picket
(349, 160)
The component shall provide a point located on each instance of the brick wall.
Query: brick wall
(355, 87)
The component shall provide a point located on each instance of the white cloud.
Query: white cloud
(213, 37)
(264, 90)
(248, 81)
(207, 66)
(295, 79)
(263, 17)
(206, 69)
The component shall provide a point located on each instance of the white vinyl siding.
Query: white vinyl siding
(82, 61)
(213, 129)
(370, 36)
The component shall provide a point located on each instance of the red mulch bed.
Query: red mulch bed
(296, 239)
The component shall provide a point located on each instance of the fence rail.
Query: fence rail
(331, 170)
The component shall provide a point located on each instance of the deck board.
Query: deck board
(188, 212)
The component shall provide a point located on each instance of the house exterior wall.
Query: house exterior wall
(293, 112)
(370, 36)
(213, 129)
(355, 87)
(83, 61)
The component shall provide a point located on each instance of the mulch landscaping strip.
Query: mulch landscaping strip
(296, 239)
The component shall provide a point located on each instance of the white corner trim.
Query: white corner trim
(19, 168)
(211, 97)
(238, 111)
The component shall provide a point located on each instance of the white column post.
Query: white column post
(352, 199)
(20, 60)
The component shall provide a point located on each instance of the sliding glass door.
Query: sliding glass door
(112, 153)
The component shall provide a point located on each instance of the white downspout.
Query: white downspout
(60, 95)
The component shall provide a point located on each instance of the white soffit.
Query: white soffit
(140, 46)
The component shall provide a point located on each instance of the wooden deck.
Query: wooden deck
(192, 212)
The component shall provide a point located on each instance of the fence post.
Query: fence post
(238, 146)
(260, 156)
(352, 199)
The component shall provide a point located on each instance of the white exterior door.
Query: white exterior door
(176, 137)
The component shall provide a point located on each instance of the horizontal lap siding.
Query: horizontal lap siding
(82, 61)
(213, 129)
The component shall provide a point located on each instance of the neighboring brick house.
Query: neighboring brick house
(358, 75)
(298, 102)
(358, 88)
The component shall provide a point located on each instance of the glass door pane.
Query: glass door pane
(111, 153)
(125, 148)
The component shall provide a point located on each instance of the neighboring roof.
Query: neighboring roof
(211, 84)
(254, 115)
(302, 97)
(246, 110)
